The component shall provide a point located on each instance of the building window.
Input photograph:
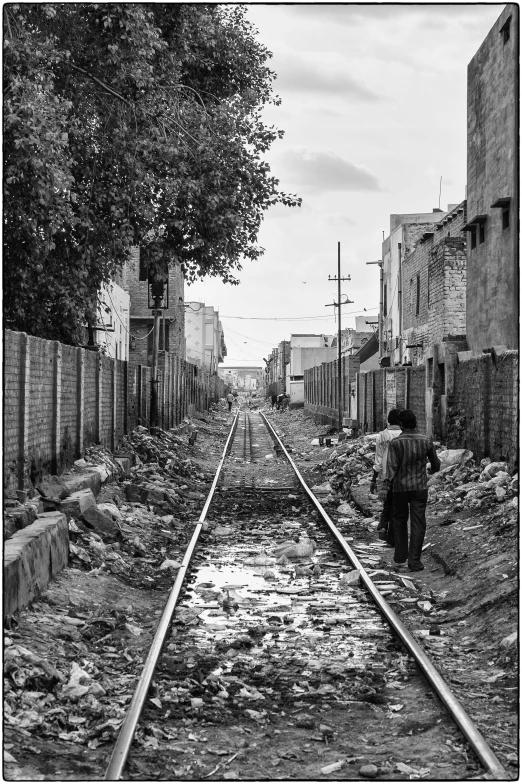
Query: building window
(505, 31)
(473, 238)
(417, 305)
(430, 372)
(505, 218)
(482, 232)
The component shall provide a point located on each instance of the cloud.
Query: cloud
(319, 72)
(337, 219)
(326, 171)
(422, 13)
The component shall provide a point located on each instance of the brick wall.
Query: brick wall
(483, 409)
(434, 283)
(68, 405)
(59, 399)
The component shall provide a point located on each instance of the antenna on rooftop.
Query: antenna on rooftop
(440, 189)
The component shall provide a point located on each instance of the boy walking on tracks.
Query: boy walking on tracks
(385, 528)
(406, 468)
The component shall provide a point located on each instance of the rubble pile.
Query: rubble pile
(489, 486)
(350, 463)
(461, 481)
(135, 530)
(131, 530)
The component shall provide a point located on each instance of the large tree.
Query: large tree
(128, 124)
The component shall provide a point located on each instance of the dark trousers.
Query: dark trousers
(385, 527)
(412, 503)
(230, 405)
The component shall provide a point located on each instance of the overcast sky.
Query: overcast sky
(374, 113)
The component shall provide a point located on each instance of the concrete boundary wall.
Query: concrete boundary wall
(378, 391)
(478, 407)
(59, 399)
(321, 389)
(482, 412)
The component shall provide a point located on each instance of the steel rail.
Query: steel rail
(475, 738)
(128, 728)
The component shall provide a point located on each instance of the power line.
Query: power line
(297, 318)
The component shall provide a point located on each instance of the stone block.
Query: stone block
(17, 519)
(53, 487)
(125, 464)
(101, 523)
(32, 557)
(77, 503)
(89, 480)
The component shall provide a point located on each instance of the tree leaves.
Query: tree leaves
(125, 122)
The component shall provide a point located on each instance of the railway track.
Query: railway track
(289, 666)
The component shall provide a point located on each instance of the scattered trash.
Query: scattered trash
(350, 578)
(168, 564)
(332, 767)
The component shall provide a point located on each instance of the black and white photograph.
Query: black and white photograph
(261, 391)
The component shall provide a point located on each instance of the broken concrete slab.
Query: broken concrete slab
(143, 494)
(100, 522)
(32, 557)
(88, 480)
(125, 463)
(77, 503)
(111, 510)
(19, 517)
(53, 487)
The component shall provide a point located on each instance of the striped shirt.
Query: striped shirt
(406, 463)
(381, 447)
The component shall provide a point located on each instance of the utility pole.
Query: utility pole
(339, 356)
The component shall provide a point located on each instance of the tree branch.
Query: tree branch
(98, 81)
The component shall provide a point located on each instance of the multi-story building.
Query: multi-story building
(229, 376)
(172, 325)
(246, 378)
(353, 339)
(434, 309)
(205, 342)
(306, 351)
(493, 188)
(434, 288)
(405, 231)
(276, 368)
(112, 330)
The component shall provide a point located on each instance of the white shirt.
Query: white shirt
(381, 447)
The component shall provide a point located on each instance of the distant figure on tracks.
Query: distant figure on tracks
(406, 469)
(385, 527)
(230, 400)
(273, 400)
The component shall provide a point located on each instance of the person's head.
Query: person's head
(392, 416)
(407, 419)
